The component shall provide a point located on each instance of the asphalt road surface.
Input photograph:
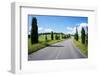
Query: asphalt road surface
(61, 50)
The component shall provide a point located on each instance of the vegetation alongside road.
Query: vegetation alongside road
(83, 48)
(82, 41)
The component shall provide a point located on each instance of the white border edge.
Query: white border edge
(15, 37)
(12, 37)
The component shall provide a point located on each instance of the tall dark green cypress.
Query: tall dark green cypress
(34, 31)
(56, 36)
(45, 37)
(76, 35)
(83, 35)
(87, 36)
(51, 35)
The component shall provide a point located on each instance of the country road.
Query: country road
(61, 50)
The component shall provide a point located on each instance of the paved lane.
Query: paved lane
(61, 50)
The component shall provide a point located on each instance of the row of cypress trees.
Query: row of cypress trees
(56, 36)
(84, 37)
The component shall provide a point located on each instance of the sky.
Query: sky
(64, 24)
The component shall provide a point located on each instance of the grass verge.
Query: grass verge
(82, 47)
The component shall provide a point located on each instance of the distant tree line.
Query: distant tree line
(49, 33)
(56, 36)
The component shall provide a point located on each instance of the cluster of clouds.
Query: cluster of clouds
(41, 29)
(69, 30)
(72, 30)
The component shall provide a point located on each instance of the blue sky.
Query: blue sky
(65, 24)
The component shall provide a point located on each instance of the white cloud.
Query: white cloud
(29, 33)
(72, 30)
(84, 25)
(79, 28)
(29, 30)
(69, 28)
(40, 28)
(47, 30)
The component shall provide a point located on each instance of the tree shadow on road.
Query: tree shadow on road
(56, 46)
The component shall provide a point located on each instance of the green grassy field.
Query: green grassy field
(42, 43)
(82, 47)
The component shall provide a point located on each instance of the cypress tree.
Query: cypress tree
(56, 37)
(45, 37)
(52, 35)
(83, 35)
(34, 31)
(76, 35)
(87, 36)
